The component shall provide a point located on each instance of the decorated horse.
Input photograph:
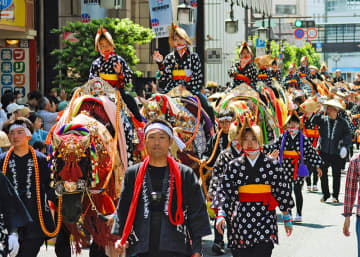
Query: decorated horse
(190, 121)
(92, 146)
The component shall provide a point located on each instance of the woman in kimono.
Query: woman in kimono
(310, 130)
(251, 188)
(244, 71)
(295, 148)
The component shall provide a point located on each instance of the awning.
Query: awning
(260, 6)
(14, 33)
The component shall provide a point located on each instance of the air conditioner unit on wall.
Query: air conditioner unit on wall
(111, 4)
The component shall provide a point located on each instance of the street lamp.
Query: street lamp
(262, 33)
(336, 59)
(231, 25)
(185, 14)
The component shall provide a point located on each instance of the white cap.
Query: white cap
(11, 108)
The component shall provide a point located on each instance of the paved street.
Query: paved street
(319, 235)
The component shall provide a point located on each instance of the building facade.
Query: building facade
(17, 46)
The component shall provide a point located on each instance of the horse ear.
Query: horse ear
(56, 140)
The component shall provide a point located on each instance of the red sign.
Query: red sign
(299, 33)
(312, 32)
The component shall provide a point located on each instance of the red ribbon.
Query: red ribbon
(265, 198)
(293, 162)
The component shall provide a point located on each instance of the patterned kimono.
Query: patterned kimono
(253, 222)
(276, 75)
(246, 75)
(264, 75)
(221, 165)
(310, 130)
(185, 70)
(292, 80)
(100, 67)
(304, 72)
(290, 164)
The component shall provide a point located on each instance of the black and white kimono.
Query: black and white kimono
(21, 174)
(173, 61)
(309, 125)
(13, 213)
(277, 75)
(172, 238)
(292, 80)
(221, 166)
(311, 157)
(99, 65)
(249, 71)
(251, 222)
(261, 76)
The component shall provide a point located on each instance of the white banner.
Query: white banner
(161, 17)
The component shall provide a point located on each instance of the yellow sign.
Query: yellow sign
(13, 13)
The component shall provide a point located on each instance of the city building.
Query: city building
(17, 46)
(339, 34)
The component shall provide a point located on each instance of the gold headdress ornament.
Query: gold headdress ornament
(292, 116)
(245, 45)
(293, 65)
(311, 67)
(234, 130)
(323, 65)
(103, 32)
(254, 128)
(264, 61)
(304, 58)
(180, 32)
(310, 105)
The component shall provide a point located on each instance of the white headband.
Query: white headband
(228, 118)
(15, 126)
(162, 127)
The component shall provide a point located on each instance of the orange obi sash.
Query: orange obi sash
(295, 156)
(180, 75)
(302, 75)
(258, 193)
(243, 78)
(113, 79)
(312, 133)
(262, 76)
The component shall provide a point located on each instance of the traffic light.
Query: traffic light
(298, 23)
(304, 24)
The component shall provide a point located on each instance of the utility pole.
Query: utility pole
(247, 23)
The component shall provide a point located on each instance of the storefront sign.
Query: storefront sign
(14, 69)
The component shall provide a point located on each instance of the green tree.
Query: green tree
(293, 54)
(74, 58)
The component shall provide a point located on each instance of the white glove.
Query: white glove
(13, 244)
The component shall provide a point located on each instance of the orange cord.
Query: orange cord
(197, 122)
(38, 199)
(204, 164)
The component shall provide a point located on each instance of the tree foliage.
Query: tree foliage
(75, 58)
(291, 54)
